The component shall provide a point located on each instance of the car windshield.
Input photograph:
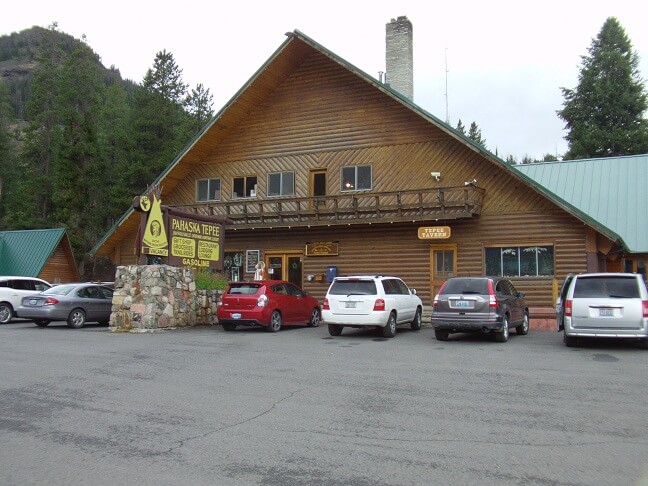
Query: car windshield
(243, 288)
(353, 287)
(608, 287)
(60, 290)
(466, 286)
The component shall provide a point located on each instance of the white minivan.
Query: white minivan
(13, 289)
(610, 305)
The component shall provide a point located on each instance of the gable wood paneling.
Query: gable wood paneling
(59, 268)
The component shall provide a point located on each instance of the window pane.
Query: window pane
(239, 190)
(494, 261)
(364, 177)
(250, 182)
(201, 191)
(510, 262)
(288, 180)
(545, 260)
(528, 261)
(274, 184)
(348, 179)
(214, 189)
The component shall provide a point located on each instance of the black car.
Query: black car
(479, 304)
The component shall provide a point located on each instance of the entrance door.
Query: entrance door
(317, 185)
(443, 264)
(285, 266)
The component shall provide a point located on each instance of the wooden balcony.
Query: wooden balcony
(357, 208)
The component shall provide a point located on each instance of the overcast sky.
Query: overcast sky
(506, 60)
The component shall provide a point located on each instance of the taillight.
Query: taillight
(262, 300)
(492, 300)
(325, 305)
(644, 304)
(435, 302)
(379, 305)
(568, 308)
(51, 301)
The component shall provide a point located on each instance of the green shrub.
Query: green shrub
(209, 280)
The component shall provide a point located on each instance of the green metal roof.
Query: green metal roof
(25, 252)
(611, 191)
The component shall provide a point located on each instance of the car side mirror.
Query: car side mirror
(413, 291)
(521, 294)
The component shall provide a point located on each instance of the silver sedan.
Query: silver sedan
(75, 303)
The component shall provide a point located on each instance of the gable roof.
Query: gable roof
(26, 252)
(611, 191)
(284, 61)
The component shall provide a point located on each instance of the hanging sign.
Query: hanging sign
(434, 232)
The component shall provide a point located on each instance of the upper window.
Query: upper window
(244, 187)
(356, 178)
(281, 184)
(520, 261)
(208, 190)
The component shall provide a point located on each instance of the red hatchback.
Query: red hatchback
(267, 303)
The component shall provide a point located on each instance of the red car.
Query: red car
(267, 303)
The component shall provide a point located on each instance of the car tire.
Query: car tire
(441, 334)
(315, 318)
(523, 329)
(416, 322)
(334, 329)
(76, 319)
(41, 323)
(503, 335)
(389, 331)
(6, 313)
(228, 326)
(275, 322)
(570, 341)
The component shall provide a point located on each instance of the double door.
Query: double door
(285, 266)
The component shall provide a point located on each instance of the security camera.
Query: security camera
(436, 175)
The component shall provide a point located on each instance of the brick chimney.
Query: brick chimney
(400, 57)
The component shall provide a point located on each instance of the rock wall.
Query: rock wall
(150, 297)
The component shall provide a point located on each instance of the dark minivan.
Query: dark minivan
(479, 304)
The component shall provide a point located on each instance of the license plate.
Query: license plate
(606, 312)
(236, 315)
(349, 305)
(462, 304)
(33, 302)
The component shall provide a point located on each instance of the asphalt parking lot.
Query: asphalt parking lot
(203, 406)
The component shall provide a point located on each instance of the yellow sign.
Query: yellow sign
(322, 249)
(155, 240)
(434, 232)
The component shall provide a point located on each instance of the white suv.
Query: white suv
(371, 301)
(13, 289)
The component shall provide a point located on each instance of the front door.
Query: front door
(443, 264)
(284, 266)
(317, 186)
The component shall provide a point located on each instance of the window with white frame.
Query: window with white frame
(520, 261)
(355, 178)
(208, 190)
(281, 184)
(244, 187)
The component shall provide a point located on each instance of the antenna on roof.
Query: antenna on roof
(447, 119)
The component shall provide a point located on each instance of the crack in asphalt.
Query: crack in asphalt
(183, 442)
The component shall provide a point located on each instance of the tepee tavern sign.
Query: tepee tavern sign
(434, 232)
(169, 235)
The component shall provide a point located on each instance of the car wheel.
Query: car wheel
(41, 323)
(275, 322)
(228, 326)
(76, 319)
(441, 334)
(334, 329)
(315, 318)
(6, 313)
(503, 335)
(570, 341)
(523, 328)
(389, 331)
(416, 323)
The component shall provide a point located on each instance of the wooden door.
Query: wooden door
(443, 265)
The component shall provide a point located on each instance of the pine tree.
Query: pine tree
(461, 127)
(7, 149)
(475, 134)
(604, 115)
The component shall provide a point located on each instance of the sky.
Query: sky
(500, 64)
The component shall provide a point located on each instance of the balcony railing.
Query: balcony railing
(356, 208)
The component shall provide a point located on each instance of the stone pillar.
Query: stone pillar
(400, 56)
(149, 297)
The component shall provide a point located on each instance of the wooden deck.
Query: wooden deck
(357, 208)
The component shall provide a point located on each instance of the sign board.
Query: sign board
(321, 249)
(434, 232)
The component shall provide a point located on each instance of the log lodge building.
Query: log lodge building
(323, 169)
